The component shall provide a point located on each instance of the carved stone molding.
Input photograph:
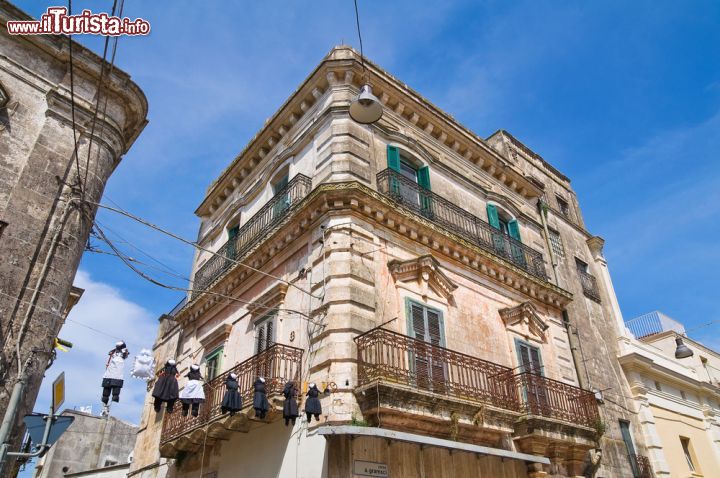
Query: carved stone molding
(426, 271)
(271, 299)
(525, 320)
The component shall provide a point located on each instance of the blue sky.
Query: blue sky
(623, 97)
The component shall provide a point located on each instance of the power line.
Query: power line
(72, 103)
(142, 274)
(99, 89)
(194, 244)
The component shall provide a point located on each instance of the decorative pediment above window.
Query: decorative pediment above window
(525, 320)
(272, 299)
(426, 271)
(216, 337)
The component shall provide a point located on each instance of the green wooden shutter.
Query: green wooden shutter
(514, 229)
(423, 176)
(493, 218)
(393, 158)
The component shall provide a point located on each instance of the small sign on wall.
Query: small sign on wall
(369, 468)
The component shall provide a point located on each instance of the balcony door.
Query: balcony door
(281, 196)
(428, 365)
(534, 389)
(413, 188)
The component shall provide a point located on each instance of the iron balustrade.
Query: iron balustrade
(178, 307)
(278, 364)
(443, 212)
(641, 466)
(545, 397)
(589, 285)
(255, 229)
(390, 357)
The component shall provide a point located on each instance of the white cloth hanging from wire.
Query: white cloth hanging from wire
(144, 365)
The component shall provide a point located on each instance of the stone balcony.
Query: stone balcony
(278, 364)
(411, 385)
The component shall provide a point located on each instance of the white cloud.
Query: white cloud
(103, 308)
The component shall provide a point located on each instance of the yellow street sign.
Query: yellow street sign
(58, 392)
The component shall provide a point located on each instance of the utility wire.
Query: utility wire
(72, 103)
(357, 22)
(198, 246)
(98, 90)
(171, 287)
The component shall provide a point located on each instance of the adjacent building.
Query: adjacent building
(440, 288)
(48, 185)
(677, 395)
(92, 446)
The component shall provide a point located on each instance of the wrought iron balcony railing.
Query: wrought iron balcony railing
(441, 211)
(390, 357)
(589, 285)
(640, 466)
(252, 231)
(278, 364)
(545, 397)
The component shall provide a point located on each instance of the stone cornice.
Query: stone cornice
(341, 70)
(128, 95)
(360, 200)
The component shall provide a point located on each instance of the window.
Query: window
(212, 363)
(682, 394)
(426, 324)
(529, 358)
(265, 332)
(110, 462)
(688, 451)
(3, 225)
(630, 447)
(657, 386)
(413, 180)
(556, 243)
(582, 266)
(563, 206)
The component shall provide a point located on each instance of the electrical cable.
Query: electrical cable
(72, 103)
(182, 289)
(198, 246)
(98, 89)
(357, 22)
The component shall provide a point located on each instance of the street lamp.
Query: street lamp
(681, 350)
(366, 108)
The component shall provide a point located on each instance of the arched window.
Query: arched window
(409, 180)
(501, 219)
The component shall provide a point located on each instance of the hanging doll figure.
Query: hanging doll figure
(313, 405)
(260, 401)
(166, 387)
(290, 407)
(232, 401)
(193, 393)
(114, 373)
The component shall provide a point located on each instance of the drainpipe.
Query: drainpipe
(575, 349)
(542, 209)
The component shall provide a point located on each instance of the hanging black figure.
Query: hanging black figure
(192, 394)
(260, 401)
(114, 373)
(290, 407)
(232, 401)
(166, 387)
(313, 405)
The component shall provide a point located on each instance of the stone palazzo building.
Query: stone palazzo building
(440, 287)
(44, 223)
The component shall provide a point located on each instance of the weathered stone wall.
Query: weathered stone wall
(88, 443)
(48, 224)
